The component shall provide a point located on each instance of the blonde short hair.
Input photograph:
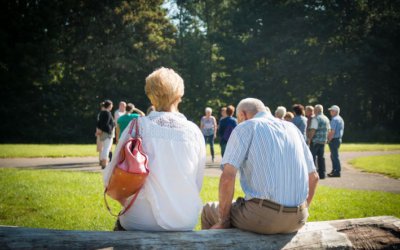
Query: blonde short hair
(163, 87)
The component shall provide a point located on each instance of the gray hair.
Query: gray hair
(280, 112)
(250, 105)
(208, 109)
(319, 109)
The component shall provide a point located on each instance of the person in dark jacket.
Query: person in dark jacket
(105, 130)
(226, 125)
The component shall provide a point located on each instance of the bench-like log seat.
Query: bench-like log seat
(365, 233)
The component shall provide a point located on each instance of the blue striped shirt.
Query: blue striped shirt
(272, 158)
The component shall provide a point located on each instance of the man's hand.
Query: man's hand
(221, 225)
(226, 191)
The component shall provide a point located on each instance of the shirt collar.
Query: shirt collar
(262, 114)
(162, 113)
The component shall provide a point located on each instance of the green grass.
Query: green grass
(388, 165)
(74, 200)
(82, 150)
(354, 147)
(47, 150)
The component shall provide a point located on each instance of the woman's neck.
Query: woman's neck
(172, 108)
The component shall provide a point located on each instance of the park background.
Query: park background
(60, 59)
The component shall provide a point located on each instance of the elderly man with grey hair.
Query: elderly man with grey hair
(280, 112)
(319, 129)
(277, 175)
(335, 139)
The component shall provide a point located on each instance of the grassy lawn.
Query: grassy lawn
(74, 200)
(47, 150)
(354, 147)
(388, 165)
(81, 150)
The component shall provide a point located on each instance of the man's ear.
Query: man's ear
(245, 115)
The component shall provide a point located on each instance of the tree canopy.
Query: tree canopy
(60, 59)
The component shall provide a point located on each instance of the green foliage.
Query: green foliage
(60, 59)
(74, 200)
(382, 164)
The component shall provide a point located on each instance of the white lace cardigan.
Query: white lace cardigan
(170, 198)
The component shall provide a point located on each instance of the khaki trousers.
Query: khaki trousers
(255, 217)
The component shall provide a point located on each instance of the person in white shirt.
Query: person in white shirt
(170, 198)
(120, 111)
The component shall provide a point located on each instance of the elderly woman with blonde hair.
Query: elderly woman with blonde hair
(169, 199)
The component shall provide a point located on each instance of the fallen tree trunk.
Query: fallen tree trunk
(366, 233)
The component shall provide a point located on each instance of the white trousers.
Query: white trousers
(107, 143)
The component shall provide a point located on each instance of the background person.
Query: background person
(105, 129)
(309, 115)
(276, 191)
(120, 111)
(99, 143)
(223, 113)
(319, 133)
(280, 112)
(300, 120)
(335, 139)
(226, 126)
(125, 119)
(288, 116)
(170, 198)
(208, 125)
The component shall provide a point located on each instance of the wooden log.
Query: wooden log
(373, 233)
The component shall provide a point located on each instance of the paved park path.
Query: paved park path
(351, 178)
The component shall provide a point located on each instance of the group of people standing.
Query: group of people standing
(315, 127)
(111, 126)
(318, 131)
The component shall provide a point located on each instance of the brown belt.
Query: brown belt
(278, 207)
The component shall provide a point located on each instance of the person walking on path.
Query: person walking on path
(300, 120)
(319, 133)
(208, 126)
(277, 193)
(335, 139)
(105, 129)
(226, 126)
